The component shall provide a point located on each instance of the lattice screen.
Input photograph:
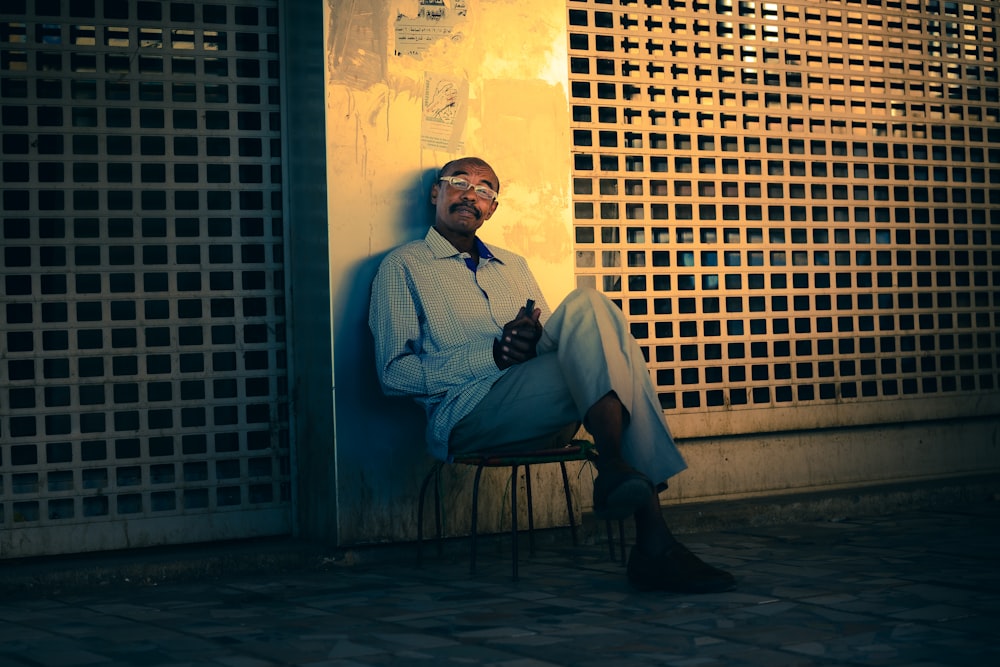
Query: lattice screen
(143, 361)
(797, 204)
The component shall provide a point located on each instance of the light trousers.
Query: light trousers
(586, 351)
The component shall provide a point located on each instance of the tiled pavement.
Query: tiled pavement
(915, 588)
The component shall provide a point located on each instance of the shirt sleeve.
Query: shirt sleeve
(408, 363)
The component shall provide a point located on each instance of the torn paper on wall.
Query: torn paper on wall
(445, 104)
(434, 21)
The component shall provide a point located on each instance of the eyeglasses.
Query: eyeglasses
(463, 184)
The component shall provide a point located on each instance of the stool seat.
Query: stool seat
(571, 452)
(574, 450)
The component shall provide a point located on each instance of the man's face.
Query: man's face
(460, 213)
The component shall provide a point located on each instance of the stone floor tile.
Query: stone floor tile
(910, 589)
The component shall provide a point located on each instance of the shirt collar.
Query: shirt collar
(442, 247)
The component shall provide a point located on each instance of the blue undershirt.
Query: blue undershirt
(484, 253)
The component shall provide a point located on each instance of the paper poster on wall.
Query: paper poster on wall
(435, 20)
(445, 104)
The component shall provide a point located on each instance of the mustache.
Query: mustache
(459, 205)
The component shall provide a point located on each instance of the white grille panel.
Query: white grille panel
(143, 371)
(796, 204)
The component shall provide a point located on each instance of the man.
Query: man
(454, 329)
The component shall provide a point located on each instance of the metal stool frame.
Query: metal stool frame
(575, 450)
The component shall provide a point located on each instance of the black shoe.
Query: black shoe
(619, 491)
(677, 570)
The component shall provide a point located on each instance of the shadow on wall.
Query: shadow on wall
(381, 451)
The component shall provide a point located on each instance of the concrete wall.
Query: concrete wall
(511, 109)
(503, 62)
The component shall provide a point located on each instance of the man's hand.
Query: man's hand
(518, 340)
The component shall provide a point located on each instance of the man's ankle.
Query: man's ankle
(610, 460)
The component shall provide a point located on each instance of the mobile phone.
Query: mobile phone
(529, 307)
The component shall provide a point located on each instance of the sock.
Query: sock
(652, 536)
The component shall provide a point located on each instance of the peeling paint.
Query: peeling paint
(357, 42)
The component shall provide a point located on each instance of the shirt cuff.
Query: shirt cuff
(481, 361)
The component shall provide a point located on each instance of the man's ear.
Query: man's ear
(435, 190)
(493, 208)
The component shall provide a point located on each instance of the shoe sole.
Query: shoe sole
(625, 500)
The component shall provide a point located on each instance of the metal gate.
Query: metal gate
(795, 203)
(143, 386)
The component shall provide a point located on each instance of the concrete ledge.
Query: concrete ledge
(149, 566)
(838, 505)
(263, 557)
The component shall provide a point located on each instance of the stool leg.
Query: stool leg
(621, 537)
(611, 540)
(420, 515)
(475, 518)
(513, 520)
(531, 510)
(438, 518)
(569, 502)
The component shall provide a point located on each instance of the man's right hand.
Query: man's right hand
(518, 341)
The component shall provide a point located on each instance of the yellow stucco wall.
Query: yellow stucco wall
(516, 118)
(512, 111)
